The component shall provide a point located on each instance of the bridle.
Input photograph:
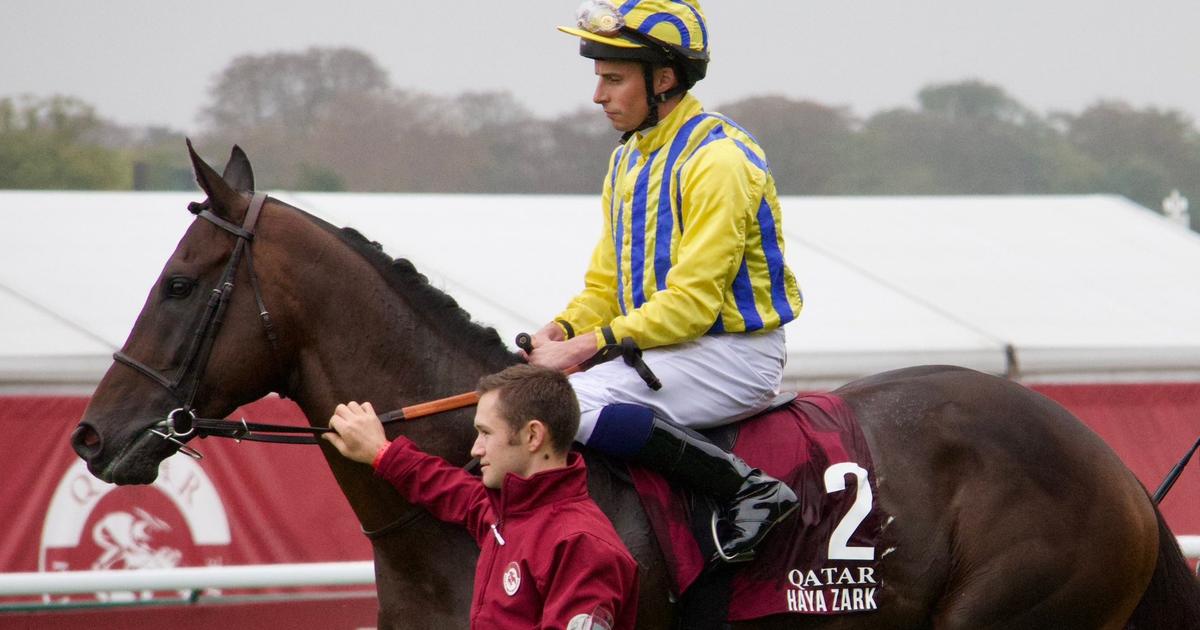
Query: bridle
(181, 423)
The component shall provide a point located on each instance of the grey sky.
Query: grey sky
(151, 61)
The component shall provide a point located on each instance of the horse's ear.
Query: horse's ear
(222, 198)
(238, 173)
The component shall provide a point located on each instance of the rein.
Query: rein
(241, 430)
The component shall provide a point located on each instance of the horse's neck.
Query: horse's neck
(380, 350)
(363, 341)
(381, 356)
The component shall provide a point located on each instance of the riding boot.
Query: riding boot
(751, 501)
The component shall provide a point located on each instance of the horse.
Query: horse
(1006, 511)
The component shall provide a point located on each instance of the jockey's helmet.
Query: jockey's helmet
(661, 32)
(658, 33)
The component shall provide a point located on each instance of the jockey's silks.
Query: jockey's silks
(692, 240)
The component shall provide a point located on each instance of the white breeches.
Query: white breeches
(714, 380)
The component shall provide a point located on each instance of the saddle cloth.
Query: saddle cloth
(823, 558)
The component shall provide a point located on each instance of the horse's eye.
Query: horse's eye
(179, 286)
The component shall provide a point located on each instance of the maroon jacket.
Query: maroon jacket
(548, 555)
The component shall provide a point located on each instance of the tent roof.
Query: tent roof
(1054, 288)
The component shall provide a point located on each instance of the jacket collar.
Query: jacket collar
(539, 491)
(650, 140)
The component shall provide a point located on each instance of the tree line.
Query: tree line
(329, 119)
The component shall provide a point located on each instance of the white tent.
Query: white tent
(1071, 288)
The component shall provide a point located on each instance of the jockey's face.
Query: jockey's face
(621, 91)
(499, 449)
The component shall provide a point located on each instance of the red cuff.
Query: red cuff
(379, 454)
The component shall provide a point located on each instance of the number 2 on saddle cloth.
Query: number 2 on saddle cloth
(823, 560)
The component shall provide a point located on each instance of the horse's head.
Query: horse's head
(198, 347)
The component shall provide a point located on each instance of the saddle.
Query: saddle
(821, 560)
(726, 435)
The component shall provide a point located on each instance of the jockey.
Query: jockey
(689, 265)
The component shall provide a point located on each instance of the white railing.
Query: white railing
(189, 578)
(252, 576)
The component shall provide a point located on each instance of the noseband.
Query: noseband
(182, 422)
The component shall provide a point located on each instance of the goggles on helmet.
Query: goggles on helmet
(599, 17)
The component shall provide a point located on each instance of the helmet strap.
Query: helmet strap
(654, 100)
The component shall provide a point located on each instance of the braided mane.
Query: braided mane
(436, 309)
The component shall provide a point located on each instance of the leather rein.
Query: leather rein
(181, 423)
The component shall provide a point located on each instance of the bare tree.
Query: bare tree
(294, 89)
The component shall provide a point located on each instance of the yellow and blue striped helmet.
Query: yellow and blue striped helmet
(666, 32)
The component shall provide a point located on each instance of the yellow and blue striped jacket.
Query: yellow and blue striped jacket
(692, 240)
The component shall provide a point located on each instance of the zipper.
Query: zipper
(482, 587)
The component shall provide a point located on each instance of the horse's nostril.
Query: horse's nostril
(86, 441)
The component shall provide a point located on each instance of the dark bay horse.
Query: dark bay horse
(1008, 512)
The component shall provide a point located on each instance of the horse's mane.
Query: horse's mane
(437, 309)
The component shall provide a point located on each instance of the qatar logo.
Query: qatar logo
(512, 578)
(177, 521)
(128, 539)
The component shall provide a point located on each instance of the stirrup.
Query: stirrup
(745, 556)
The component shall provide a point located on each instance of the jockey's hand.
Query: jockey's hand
(359, 433)
(560, 355)
(549, 332)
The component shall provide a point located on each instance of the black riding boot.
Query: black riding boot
(751, 501)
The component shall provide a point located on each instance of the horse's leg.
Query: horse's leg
(1020, 516)
(1066, 570)
(423, 576)
(1051, 530)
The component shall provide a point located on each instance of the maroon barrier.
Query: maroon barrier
(245, 503)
